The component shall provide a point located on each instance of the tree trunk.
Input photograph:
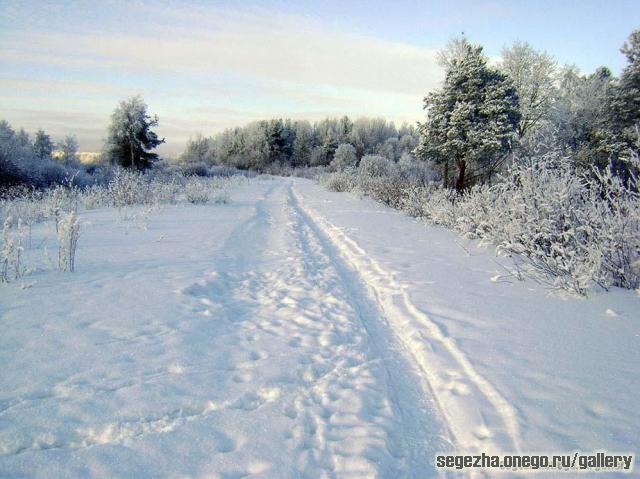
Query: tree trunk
(446, 174)
(462, 166)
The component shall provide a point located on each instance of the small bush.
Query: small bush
(68, 234)
(197, 191)
(340, 181)
(11, 251)
(128, 188)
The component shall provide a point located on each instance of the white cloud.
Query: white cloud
(288, 66)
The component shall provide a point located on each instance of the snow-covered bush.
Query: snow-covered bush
(197, 191)
(571, 231)
(375, 166)
(68, 234)
(221, 195)
(416, 171)
(383, 180)
(220, 188)
(165, 190)
(344, 157)
(339, 181)
(128, 188)
(95, 197)
(11, 251)
(60, 199)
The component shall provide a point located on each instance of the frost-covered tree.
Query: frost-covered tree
(454, 51)
(369, 134)
(345, 157)
(68, 149)
(198, 150)
(130, 138)
(533, 75)
(471, 122)
(391, 149)
(623, 121)
(43, 145)
(280, 138)
(302, 144)
(578, 116)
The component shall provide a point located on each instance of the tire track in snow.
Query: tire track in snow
(478, 416)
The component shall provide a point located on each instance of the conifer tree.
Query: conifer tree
(472, 121)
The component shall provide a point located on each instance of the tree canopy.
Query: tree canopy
(472, 121)
(130, 138)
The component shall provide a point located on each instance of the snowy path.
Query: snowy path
(261, 339)
(280, 365)
(468, 401)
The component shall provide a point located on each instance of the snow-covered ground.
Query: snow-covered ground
(300, 333)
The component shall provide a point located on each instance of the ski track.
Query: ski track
(477, 415)
(314, 332)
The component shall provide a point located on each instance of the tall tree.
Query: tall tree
(43, 145)
(198, 150)
(624, 103)
(532, 74)
(130, 138)
(578, 116)
(69, 149)
(472, 121)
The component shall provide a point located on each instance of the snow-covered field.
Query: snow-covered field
(300, 333)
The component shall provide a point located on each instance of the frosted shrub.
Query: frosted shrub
(375, 166)
(340, 181)
(197, 191)
(571, 231)
(128, 188)
(221, 195)
(414, 200)
(574, 231)
(68, 234)
(10, 252)
(220, 188)
(379, 178)
(60, 199)
(165, 191)
(29, 210)
(95, 197)
(416, 172)
(344, 157)
(620, 227)
(441, 207)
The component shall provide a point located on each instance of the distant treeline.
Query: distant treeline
(481, 119)
(300, 143)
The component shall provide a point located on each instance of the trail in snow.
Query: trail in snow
(356, 405)
(477, 415)
(260, 339)
(275, 363)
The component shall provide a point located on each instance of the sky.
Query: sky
(203, 66)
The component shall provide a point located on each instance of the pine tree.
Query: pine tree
(69, 149)
(43, 145)
(130, 138)
(472, 121)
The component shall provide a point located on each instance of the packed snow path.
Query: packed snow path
(259, 339)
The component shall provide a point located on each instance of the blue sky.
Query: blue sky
(204, 66)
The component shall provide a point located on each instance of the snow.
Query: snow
(296, 332)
